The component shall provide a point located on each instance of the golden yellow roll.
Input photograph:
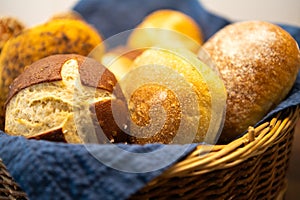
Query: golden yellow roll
(9, 27)
(171, 96)
(167, 28)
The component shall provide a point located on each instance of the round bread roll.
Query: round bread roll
(54, 37)
(119, 60)
(117, 63)
(258, 62)
(167, 28)
(9, 27)
(174, 96)
(68, 98)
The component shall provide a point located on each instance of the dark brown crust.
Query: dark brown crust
(48, 69)
(54, 135)
(105, 119)
(96, 75)
(92, 74)
(111, 118)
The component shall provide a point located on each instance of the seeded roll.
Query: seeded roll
(258, 62)
(55, 37)
(67, 98)
(9, 27)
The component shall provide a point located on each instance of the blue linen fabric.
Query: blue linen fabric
(48, 170)
(115, 16)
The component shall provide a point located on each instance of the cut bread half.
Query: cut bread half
(61, 108)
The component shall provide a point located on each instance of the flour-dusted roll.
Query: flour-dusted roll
(54, 37)
(258, 62)
(66, 97)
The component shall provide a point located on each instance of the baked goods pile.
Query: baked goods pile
(33, 43)
(156, 85)
(43, 100)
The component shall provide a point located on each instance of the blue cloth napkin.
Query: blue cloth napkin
(48, 170)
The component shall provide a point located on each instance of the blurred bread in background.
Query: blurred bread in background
(9, 27)
(167, 28)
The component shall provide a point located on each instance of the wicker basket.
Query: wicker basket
(9, 189)
(251, 167)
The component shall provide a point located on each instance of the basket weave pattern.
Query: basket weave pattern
(9, 189)
(251, 167)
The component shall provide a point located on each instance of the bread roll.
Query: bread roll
(119, 60)
(174, 96)
(63, 98)
(169, 29)
(258, 62)
(117, 64)
(54, 37)
(9, 27)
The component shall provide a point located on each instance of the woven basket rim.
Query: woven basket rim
(9, 188)
(207, 158)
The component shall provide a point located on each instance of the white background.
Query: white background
(286, 11)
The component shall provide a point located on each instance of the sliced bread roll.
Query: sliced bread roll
(61, 36)
(65, 97)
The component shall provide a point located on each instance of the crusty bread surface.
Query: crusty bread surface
(258, 62)
(54, 99)
(167, 101)
(61, 36)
